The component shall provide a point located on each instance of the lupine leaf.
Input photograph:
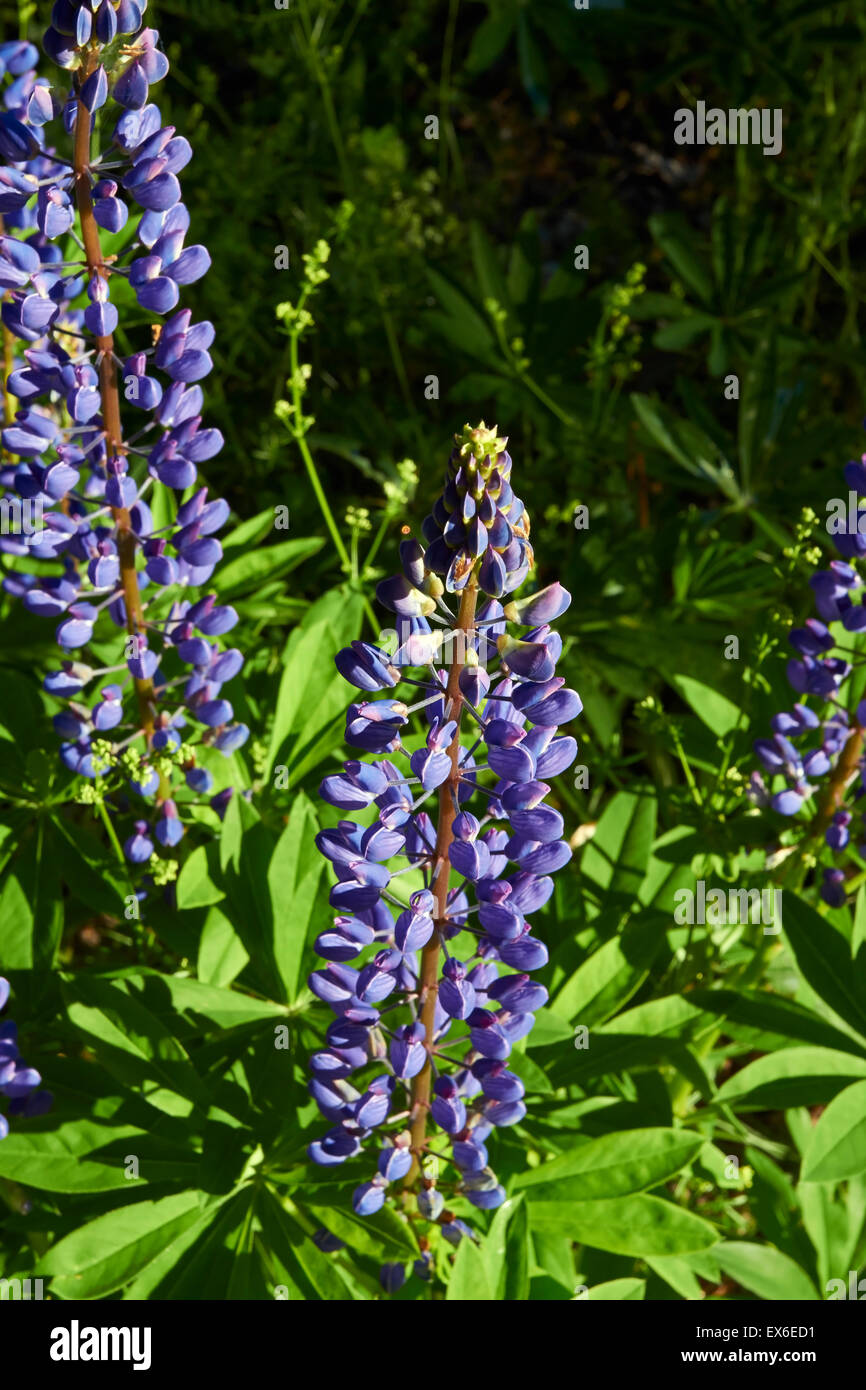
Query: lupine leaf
(765, 1271)
(837, 1149)
(634, 1225)
(106, 1253)
(612, 1165)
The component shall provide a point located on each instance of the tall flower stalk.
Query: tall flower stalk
(100, 437)
(817, 753)
(461, 948)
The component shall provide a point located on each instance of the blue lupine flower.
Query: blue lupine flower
(455, 960)
(809, 744)
(98, 556)
(18, 1083)
(392, 1277)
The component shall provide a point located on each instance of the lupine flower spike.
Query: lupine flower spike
(98, 437)
(18, 1082)
(448, 965)
(817, 753)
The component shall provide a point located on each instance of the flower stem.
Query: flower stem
(108, 391)
(298, 430)
(429, 973)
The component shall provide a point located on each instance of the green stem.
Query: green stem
(309, 462)
(444, 94)
(111, 833)
(377, 541)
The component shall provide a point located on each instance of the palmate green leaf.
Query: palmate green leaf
(834, 1220)
(315, 1274)
(130, 1040)
(227, 1008)
(553, 1257)
(612, 974)
(665, 877)
(252, 569)
(239, 818)
(487, 268)
(532, 1076)
(272, 887)
(677, 1274)
(518, 1254)
(461, 325)
(823, 958)
(794, 1076)
(489, 40)
(31, 901)
(837, 1148)
(533, 68)
(196, 886)
(616, 1291)
(86, 868)
(688, 445)
(293, 879)
(760, 1014)
(682, 248)
(505, 1252)
(106, 1253)
(858, 935)
(162, 1273)
(249, 532)
(46, 1158)
(249, 907)
(221, 953)
(16, 924)
(383, 1236)
(609, 1054)
(714, 709)
(471, 1279)
(214, 1259)
(613, 1165)
(42, 1160)
(312, 692)
(645, 1036)
(673, 337)
(765, 1271)
(671, 1016)
(617, 856)
(635, 1225)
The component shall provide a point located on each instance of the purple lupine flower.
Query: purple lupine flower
(453, 958)
(18, 1083)
(392, 1277)
(826, 742)
(88, 463)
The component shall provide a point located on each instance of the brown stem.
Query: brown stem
(114, 445)
(793, 871)
(429, 977)
(842, 773)
(8, 362)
